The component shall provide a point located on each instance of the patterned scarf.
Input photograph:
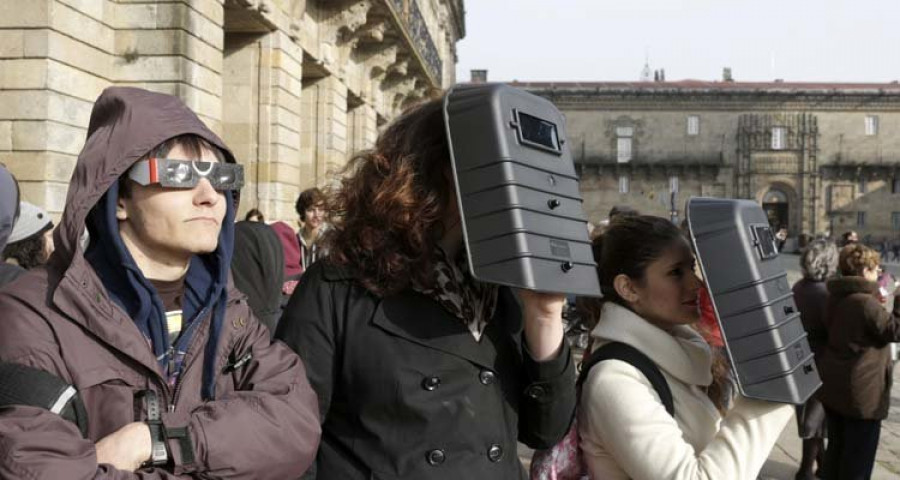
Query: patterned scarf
(465, 298)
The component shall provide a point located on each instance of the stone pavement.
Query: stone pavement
(785, 457)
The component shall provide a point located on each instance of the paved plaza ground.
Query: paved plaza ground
(785, 458)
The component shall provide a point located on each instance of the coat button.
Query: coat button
(436, 457)
(495, 453)
(487, 377)
(536, 392)
(431, 383)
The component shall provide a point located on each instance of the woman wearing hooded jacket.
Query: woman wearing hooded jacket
(650, 290)
(421, 371)
(856, 365)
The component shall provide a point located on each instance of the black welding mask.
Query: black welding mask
(522, 215)
(753, 302)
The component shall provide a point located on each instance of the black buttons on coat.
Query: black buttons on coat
(487, 377)
(431, 383)
(435, 457)
(536, 392)
(495, 453)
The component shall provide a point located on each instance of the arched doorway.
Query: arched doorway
(777, 207)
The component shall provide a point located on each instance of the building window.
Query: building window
(779, 135)
(693, 125)
(673, 184)
(895, 185)
(623, 144)
(860, 219)
(623, 150)
(895, 221)
(863, 186)
(871, 125)
(624, 183)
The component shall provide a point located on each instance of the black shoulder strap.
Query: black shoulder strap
(633, 357)
(23, 385)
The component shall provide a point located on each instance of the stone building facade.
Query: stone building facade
(819, 157)
(293, 86)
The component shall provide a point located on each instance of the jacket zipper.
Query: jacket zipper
(181, 371)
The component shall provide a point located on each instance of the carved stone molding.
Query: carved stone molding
(400, 65)
(380, 59)
(373, 31)
(295, 11)
(350, 18)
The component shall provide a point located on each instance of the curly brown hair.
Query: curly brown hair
(855, 258)
(387, 213)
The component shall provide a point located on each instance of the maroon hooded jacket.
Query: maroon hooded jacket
(263, 422)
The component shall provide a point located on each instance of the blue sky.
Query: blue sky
(761, 40)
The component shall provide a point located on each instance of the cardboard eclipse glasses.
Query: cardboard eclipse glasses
(174, 173)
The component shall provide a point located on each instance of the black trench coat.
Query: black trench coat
(405, 391)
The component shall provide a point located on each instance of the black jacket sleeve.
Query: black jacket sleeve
(547, 403)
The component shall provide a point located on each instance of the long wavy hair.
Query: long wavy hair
(387, 212)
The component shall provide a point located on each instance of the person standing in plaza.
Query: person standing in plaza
(9, 213)
(310, 208)
(818, 262)
(177, 377)
(257, 268)
(849, 237)
(855, 365)
(31, 241)
(628, 428)
(422, 372)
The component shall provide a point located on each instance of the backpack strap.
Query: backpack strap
(28, 386)
(633, 357)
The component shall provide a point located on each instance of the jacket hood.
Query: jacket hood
(126, 124)
(256, 267)
(843, 286)
(9, 205)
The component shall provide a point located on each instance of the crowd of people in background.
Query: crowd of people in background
(371, 351)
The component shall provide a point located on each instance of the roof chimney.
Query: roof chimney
(478, 76)
(726, 75)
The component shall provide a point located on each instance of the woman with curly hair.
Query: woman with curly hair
(421, 371)
(856, 366)
(818, 262)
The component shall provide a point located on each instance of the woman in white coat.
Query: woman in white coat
(650, 300)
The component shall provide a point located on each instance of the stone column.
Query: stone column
(280, 125)
(363, 128)
(175, 48)
(55, 59)
(324, 141)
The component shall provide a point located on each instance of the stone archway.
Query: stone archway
(779, 201)
(778, 209)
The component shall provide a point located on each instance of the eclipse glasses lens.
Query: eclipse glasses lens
(173, 173)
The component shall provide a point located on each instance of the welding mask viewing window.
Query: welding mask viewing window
(174, 173)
